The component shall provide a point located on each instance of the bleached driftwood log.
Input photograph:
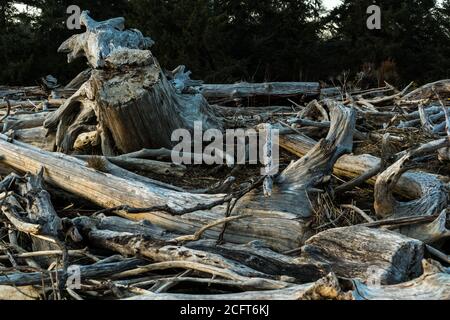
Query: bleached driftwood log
(327, 288)
(244, 89)
(276, 223)
(368, 254)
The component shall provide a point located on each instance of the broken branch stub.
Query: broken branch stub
(101, 39)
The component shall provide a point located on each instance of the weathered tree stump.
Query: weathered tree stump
(128, 98)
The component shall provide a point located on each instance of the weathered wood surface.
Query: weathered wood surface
(10, 293)
(101, 39)
(94, 271)
(368, 254)
(245, 89)
(264, 234)
(352, 166)
(130, 238)
(434, 284)
(109, 191)
(431, 193)
(134, 108)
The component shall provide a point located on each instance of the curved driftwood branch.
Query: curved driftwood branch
(428, 90)
(431, 193)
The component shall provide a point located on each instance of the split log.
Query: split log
(368, 254)
(433, 285)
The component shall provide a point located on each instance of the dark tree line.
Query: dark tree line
(253, 40)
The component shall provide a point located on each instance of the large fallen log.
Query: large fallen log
(276, 223)
(109, 191)
(372, 255)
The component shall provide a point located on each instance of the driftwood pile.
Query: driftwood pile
(92, 206)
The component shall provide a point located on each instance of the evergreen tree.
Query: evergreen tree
(411, 35)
